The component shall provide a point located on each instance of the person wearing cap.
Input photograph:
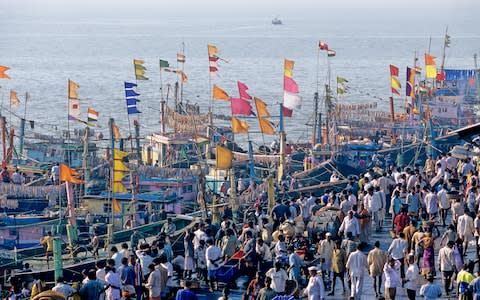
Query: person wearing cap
(325, 250)
(376, 259)
(356, 266)
(446, 260)
(430, 290)
(392, 278)
(315, 289)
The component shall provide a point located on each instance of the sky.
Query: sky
(348, 10)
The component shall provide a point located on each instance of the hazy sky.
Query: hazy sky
(364, 10)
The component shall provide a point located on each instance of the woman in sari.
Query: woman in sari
(427, 243)
(365, 225)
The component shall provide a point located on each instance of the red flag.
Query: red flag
(242, 90)
(241, 107)
(393, 71)
(287, 112)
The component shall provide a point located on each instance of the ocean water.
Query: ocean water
(98, 54)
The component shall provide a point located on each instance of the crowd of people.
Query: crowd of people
(293, 248)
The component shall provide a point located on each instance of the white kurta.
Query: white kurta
(315, 289)
(465, 228)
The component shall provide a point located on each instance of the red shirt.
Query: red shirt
(401, 221)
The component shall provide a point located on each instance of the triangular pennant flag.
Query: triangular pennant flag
(219, 94)
(3, 72)
(68, 174)
(239, 126)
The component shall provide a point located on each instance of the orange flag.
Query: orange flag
(219, 94)
(239, 126)
(116, 132)
(116, 206)
(69, 174)
(266, 127)
(261, 108)
(13, 98)
(3, 70)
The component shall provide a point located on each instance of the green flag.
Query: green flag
(164, 64)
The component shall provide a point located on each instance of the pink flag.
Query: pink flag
(241, 107)
(290, 85)
(242, 90)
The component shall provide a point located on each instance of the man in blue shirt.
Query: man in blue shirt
(93, 288)
(186, 293)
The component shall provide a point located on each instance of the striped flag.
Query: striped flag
(212, 60)
(394, 82)
(139, 69)
(92, 117)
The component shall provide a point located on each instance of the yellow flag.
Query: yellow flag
(224, 157)
(261, 108)
(13, 98)
(239, 126)
(219, 94)
(431, 71)
(266, 127)
(117, 154)
(395, 83)
(72, 90)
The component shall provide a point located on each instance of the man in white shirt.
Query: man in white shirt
(411, 277)
(213, 256)
(279, 278)
(446, 260)
(431, 204)
(356, 266)
(350, 224)
(391, 270)
(314, 289)
(465, 229)
(397, 250)
(116, 256)
(443, 203)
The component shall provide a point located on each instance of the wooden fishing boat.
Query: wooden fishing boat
(73, 270)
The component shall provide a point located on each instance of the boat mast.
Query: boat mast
(446, 43)
(315, 97)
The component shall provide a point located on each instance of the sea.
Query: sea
(43, 53)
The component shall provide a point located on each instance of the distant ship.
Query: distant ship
(277, 21)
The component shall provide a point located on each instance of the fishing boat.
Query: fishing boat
(73, 268)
